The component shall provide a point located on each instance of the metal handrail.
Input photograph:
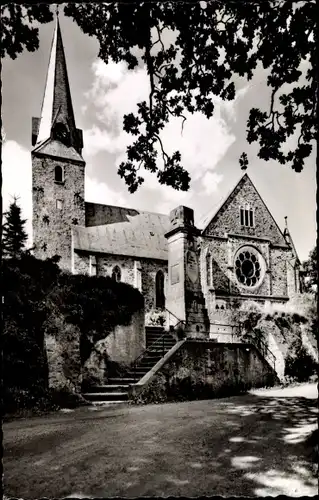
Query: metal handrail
(172, 314)
(149, 349)
(267, 351)
(156, 343)
(259, 344)
(262, 346)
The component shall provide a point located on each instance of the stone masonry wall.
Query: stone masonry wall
(122, 345)
(148, 269)
(278, 259)
(204, 370)
(106, 264)
(81, 263)
(64, 361)
(126, 343)
(51, 226)
(224, 281)
(227, 220)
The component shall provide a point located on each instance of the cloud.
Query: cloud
(99, 192)
(210, 182)
(115, 91)
(96, 140)
(17, 180)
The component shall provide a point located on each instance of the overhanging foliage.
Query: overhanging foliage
(212, 44)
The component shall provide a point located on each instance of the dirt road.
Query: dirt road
(252, 445)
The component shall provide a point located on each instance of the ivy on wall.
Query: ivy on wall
(38, 298)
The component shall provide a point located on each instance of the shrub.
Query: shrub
(155, 318)
(63, 398)
(299, 365)
(39, 298)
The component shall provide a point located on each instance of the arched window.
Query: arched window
(58, 174)
(116, 274)
(159, 290)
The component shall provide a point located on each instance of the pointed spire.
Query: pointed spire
(57, 110)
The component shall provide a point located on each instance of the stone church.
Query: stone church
(196, 274)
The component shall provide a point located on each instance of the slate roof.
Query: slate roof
(55, 148)
(123, 232)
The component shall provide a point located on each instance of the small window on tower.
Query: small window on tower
(59, 204)
(58, 174)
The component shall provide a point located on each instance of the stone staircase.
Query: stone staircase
(158, 343)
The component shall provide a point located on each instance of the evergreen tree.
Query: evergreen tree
(14, 235)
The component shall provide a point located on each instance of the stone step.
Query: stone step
(121, 381)
(140, 368)
(109, 388)
(158, 349)
(159, 342)
(154, 328)
(145, 368)
(160, 338)
(157, 333)
(151, 357)
(148, 362)
(151, 340)
(105, 396)
(139, 373)
(165, 340)
(153, 335)
(106, 404)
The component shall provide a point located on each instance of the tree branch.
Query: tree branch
(164, 155)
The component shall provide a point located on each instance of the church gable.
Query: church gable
(244, 213)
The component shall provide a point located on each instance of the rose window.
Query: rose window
(248, 267)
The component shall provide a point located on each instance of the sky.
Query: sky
(102, 94)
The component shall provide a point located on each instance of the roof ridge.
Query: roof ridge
(127, 208)
(214, 211)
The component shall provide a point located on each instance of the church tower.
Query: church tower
(58, 169)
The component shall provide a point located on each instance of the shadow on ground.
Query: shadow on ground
(248, 445)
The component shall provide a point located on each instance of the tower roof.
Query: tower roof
(57, 109)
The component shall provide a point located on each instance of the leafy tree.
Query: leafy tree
(17, 31)
(310, 267)
(299, 364)
(215, 43)
(14, 236)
